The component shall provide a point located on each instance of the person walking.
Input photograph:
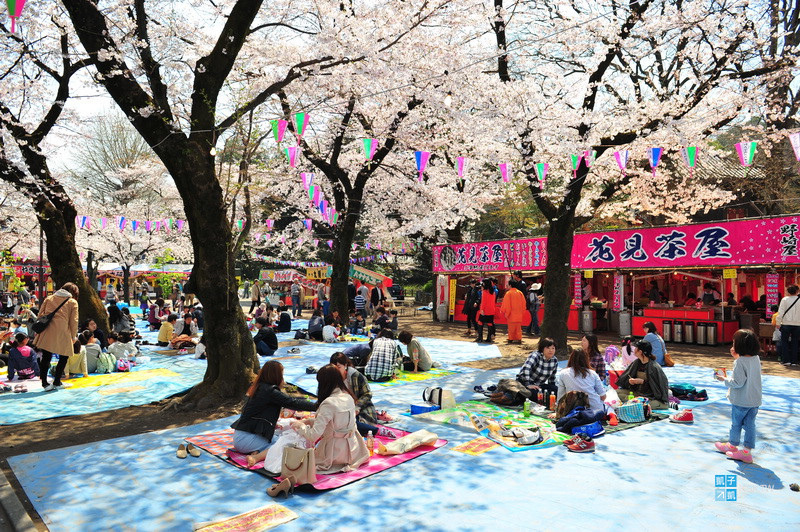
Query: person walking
(255, 296)
(789, 322)
(514, 308)
(534, 303)
(295, 291)
(60, 335)
(486, 312)
(471, 303)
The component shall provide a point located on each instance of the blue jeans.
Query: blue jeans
(790, 336)
(533, 328)
(264, 350)
(326, 307)
(296, 309)
(247, 442)
(743, 417)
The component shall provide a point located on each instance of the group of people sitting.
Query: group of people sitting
(332, 328)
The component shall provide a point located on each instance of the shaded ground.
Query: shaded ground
(62, 432)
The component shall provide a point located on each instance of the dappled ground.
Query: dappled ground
(62, 432)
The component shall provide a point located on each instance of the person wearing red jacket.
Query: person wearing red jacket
(514, 308)
(486, 312)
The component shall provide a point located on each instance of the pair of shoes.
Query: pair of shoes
(684, 416)
(725, 447)
(580, 443)
(386, 433)
(294, 350)
(478, 389)
(4, 388)
(185, 450)
(52, 387)
(467, 334)
(311, 370)
(285, 486)
(20, 388)
(479, 340)
(742, 455)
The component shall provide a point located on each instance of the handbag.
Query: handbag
(631, 412)
(299, 463)
(668, 362)
(42, 322)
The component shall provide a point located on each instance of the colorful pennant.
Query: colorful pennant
(461, 166)
(541, 173)
(300, 124)
(654, 156)
(291, 155)
(504, 172)
(689, 156)
(746, 151)
(370, 147)
(422, 158)
(576, 163)
(622, 157)
(14, 12)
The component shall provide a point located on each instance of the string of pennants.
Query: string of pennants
(689, 154)
(307, 264)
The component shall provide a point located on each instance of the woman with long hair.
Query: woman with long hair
(645, 379)
(253, 431)
(590, 344)
(340, 446)
(580, 377)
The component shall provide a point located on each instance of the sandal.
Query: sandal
(181, 452)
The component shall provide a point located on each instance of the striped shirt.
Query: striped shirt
(360, 302)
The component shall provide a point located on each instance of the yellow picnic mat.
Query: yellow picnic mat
(407, 376)
(263, 518)
(117, 378)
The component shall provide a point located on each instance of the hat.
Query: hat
(536, 286)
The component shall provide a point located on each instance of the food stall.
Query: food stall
(752, 257)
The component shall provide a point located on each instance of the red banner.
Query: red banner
(736, 243)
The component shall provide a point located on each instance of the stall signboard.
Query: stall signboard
(733, 243)
(729, 273)
(317, 274)
(619, 287)
(577, 289)
(265, 275)
(772, 281)
(285, 276)
(368, 276)
(30, 269)
(451, 304)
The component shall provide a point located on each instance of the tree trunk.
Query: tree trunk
(126, 283)
(557, 286)
(91, 269)
(232, 358)
(65, 265)
(341, 263)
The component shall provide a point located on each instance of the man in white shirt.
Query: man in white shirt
(789, 321)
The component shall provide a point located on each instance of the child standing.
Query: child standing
(744, 393)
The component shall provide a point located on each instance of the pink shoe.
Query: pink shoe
(742, 455)
(725, 447)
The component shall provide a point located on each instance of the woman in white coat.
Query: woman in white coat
(340, 446)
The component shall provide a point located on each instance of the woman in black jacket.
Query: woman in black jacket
(253, 430)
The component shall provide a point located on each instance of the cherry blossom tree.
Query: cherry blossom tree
(609, 76)
(36, 84)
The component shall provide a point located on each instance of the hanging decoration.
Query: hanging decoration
(622, 157)
(270, 224)
(308, 178)
(576, 163)
(541, 173)
(461, 166)
(422, 158)
(504, 172)
(589, 156)
(746, 151)
(121, 223)
(300, 124)
(291, 155)
(14, 12)
(654, 156)
(689, 156)
(278, 129)
(370, 147)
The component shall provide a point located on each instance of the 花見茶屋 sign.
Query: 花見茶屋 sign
(736, 243)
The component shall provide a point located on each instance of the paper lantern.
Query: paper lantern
(541, 173)
(14, 12)
(689, 156)
(461, 166)
(576, 163)
(291, 155)
(622, 157)
(504, 172)
(300, 124)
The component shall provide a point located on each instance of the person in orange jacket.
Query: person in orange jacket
(514, 308)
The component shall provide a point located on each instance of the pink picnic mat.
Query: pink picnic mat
(220, 444)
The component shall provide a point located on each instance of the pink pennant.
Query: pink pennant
(330, 244)
(504, 172)
(461, 165)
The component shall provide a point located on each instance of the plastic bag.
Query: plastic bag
(274, 459)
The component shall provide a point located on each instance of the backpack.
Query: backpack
(105, 363)
(123, 365)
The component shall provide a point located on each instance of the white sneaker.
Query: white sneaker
(51, 387)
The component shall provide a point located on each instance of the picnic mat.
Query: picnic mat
(404, 377)
(257, 520)
(655, 416)
(497, 417)
(220, 444)
(158, 379)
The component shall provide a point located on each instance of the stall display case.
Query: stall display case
(684, 316)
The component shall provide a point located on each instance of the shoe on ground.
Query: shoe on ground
(684, 416)
(725, 447)
(52, 387)
(673, 405)
(193, 450)
(742, 455)
(181, 452)
(575, 438)
(583, 445)
(384, 417)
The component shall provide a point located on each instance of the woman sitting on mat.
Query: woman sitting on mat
(340, 447)
(357, 384)
(253, 431)
(578, 376)
(315, 325)
(645, 379)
